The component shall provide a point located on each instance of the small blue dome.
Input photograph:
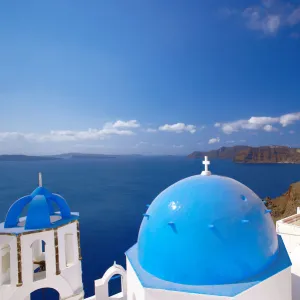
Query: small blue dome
(40, 213)
(207, 230)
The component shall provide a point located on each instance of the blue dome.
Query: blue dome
(207, 230)
(40, 214)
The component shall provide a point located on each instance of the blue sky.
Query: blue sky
(151, 77)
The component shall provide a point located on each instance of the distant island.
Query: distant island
(222, 153)
(83, 156)
(12, 157)
(20, 158)
(253, 155)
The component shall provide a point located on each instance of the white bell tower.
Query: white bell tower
(41, 250)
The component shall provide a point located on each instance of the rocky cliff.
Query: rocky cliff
(268, 154)
(286, 204)
(223, 152)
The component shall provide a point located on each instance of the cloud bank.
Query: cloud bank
(267, 16)
(258, 123)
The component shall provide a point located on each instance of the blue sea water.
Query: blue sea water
(111, 195)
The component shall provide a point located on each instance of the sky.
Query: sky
(148, 77)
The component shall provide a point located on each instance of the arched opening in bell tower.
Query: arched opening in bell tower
(44, 294)
(5, 264)
(38, 249)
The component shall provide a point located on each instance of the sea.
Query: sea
(111, 195)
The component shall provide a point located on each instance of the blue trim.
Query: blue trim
(62, 204)
(38, 213)
(147, 280)
(14, 212)
(40, 209)
(20, 229)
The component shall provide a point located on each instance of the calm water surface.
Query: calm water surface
(111, 195)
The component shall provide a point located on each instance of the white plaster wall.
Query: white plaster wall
(58, 283)
(291, 241)
(295, 258)
(68, 229)
(12, 242)
(290, 234)
(72, 273)
(154, 294)
(277, 287)
(134, 286)
(101, 285)
(291, 237)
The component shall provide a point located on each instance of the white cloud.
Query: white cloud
(126, 124)
(17, 136)
(263, 120)
(214, 140)
(288, 119)
(270, 128)
(229, 128)
(178, 146)
(294, 17)
(268, 16)
(260, 21)
(151, 130)
(178, 128)
(230, 142)
(257, 123)
(107, 131)
(90, 134)
(217, 125)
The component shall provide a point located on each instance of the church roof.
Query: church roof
(40, 206)
(147, 280)
(207, 230)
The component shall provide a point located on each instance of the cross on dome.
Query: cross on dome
(40, 179)
(206, 162)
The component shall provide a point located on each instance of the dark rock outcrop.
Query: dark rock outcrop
(268, 154)
(286, 204)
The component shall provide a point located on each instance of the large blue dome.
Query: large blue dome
(206, 230)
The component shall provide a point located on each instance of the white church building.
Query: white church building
(206, 237)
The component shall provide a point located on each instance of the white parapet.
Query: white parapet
(101, 285)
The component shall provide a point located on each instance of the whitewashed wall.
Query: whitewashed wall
(291, 237)
(153, 294)
(277, 287)
(135, 290)
(68, 283)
